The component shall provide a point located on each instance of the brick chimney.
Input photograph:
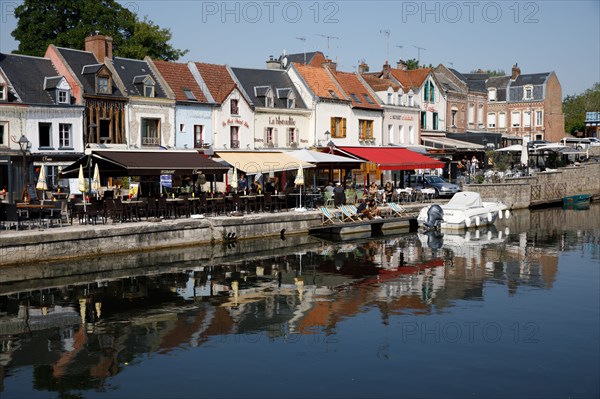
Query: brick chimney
(332, 65)
(516, 71)
(401, 65)
(385, 73)
(363, 67)
(272, 63)
(99, 45)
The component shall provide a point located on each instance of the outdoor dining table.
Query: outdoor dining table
(132, 208)
(39, 207)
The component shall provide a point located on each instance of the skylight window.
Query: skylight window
(189, 95)
(332, 94)
(355, 98)
(367, 98)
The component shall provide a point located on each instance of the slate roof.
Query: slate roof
(312, 56)
(320, 82)
(411, 79)
(530, 79)
(179, 77)
(356, 91)
(26, 74)
(84, 65)
(217, 79)
(133, 73)
(501, 85)
(253, 80)
(447, 84)
(476, 81)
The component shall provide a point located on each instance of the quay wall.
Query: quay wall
(543, 187)
(79, 241)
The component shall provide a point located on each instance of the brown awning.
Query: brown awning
(146, 163)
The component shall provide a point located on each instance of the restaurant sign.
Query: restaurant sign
(167, 171)
(235, 121)
(289, 121)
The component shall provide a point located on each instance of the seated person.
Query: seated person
(373, 190)
(363, 209)
(389, 191)
(373, 209)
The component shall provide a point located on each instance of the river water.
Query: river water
(511, 311)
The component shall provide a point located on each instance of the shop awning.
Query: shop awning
(388, 158)
(448, 143)
(322, 158)
(146, 163)
(258, 162)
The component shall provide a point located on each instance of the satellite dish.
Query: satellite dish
(284, 62)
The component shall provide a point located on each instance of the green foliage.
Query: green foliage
(66, 23)
(412, 64)
(502, 160)
(575, 107)
(490, 72)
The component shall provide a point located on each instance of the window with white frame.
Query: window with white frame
(492, 94)
(62, 96)
(3, 134)
(270, 136)
(150, 131)
(400, 97)
(198, 140)
(390, 98)
(234, 134)
(528, 92)
(515, 119)
(491, 119)
(539, 120)
(291, 102)
(480, 115)
(471, 114)
(182, 128)
(411, 99)
(527, 118)
(291, 136)
(411, 135)
(435, 121)
(45, 135)
(453, 113)
(234, 106)
(64, 135)
(390, 133)
(2, 92)
(149, 88)
(502, 120)
(401, 138)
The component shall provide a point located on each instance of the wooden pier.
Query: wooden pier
(366, 228)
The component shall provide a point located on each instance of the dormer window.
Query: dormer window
(266, 93)
(287, 95)
(103, 85)
(62, 96)
(145, 85)
(400, 96)
(2, 92)
(291, 102)
(390, 98)
(528, 92)
(492, 94)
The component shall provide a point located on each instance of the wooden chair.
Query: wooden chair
(348, 214)
(327, 216)
(397, 210)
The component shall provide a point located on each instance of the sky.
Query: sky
(540, 36)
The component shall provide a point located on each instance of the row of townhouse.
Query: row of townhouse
(70, 99)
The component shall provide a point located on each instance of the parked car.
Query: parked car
(442, 187)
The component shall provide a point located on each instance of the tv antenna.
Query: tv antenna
(386, 32)
(419, 52)
(328, 39)
(303, 39)
(400, 47)
(451, 64)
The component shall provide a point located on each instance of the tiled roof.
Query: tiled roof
(320, 82)
(179, 77)
(26, 75)
(134, 71)
(357, 92)
(379, 84)
(217, 79)
(253, 80)
(410, 79)
(77, 61)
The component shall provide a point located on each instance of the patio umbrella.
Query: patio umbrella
(41, 183)
(234, 180)
(96, 180)
(81, 185)
(524, 156)
(299, 181)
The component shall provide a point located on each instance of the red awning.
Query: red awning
(388, 158)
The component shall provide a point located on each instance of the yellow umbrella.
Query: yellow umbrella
(81, 181)
(96, 180)
(41, 183)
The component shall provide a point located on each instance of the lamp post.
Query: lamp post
(88, 152)
(24, 144)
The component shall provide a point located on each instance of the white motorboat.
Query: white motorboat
(464, 210)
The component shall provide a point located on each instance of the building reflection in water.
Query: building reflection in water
(77, 330)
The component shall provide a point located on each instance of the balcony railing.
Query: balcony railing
(235, 144)
(150, 140)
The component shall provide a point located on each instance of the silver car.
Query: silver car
(442, 187)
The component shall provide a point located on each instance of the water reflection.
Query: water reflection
(79, 324)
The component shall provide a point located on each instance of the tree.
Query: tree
(575, 107)
(413, 63)
(66, 23)
(490, 72)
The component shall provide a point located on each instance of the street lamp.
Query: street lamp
(24, 144)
